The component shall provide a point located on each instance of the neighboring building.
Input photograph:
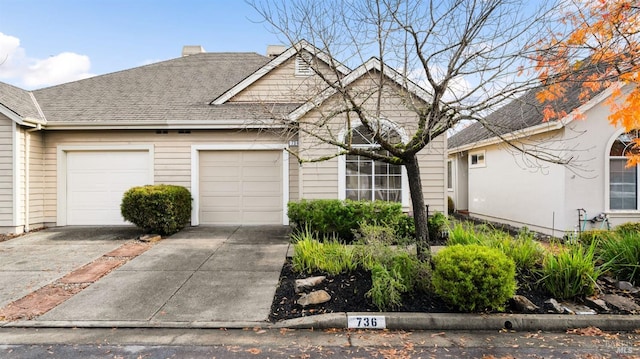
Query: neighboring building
(493, 181)
(220, 124)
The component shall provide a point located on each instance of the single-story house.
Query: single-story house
(492, 180)
(221, 124)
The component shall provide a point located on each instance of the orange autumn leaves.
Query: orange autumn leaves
(597, 47)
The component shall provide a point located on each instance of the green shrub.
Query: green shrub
(395, 274)
(571, 272)
(629, 227)
(331, 257)
(595, 235)
(437, 224)
(526, 253)
(622, 256)
(375, 234)
(329, 218)
(463, 233)
(163, 209)
(405, 228)
(473, 277)
(451, 207)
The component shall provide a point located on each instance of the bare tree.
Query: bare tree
(469, 57)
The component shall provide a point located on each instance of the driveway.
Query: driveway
(217, 276)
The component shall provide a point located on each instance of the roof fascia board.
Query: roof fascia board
(543, 127)
(371, 64)
(511, 136)
(11, 115)
(280, 59)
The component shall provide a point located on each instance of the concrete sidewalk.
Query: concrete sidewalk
(216, 275)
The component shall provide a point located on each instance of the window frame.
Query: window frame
(607, 174)
(478, 164)
(450, 169)
(342, 163)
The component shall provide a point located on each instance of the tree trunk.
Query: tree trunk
(419, 209)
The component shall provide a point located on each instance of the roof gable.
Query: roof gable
(373, 64)
(291, 52)
(19, 105)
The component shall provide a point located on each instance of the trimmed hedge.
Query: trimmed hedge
(331, 217)
(163, 209)
(474, 278)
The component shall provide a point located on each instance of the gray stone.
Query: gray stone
(597, 304)
(524, 305)
(621, 303)
(622, 285)
(608, 280)
(302, 284)
(315, 297)
(577, 309)
(552, 306)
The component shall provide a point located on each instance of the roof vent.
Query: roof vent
(192, 50)
(275, 50)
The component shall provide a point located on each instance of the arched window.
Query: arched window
(623, 181)
(366, 179)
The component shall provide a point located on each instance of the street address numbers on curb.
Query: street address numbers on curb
(366, 322)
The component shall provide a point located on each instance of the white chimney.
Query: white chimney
(275, 50)
(192, 50)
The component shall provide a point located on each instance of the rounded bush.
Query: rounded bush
(163, 209)
(473, 277)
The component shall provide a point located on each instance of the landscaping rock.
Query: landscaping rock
(577, 309)
(622, 285)
(315, 297)
(524, 305)
(552, 306)
(607, 280)
(597, 304)
(151, 238)
(302, 284)
(621, 303)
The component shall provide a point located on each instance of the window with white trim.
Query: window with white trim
(303, 64)
(623, 180)
(367, 179)
(477, 159)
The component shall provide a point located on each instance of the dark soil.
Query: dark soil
(348, 294)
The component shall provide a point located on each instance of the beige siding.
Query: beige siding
(320, 179)
(6, 172)
(172, 152)
(36, 180)
(282, 85)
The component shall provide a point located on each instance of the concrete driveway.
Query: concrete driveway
(34, 260)
(217, 276)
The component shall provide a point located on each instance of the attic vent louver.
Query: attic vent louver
(303, 64)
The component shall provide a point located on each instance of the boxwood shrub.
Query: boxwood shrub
(473, 277)
(162, 209)
(329, 218)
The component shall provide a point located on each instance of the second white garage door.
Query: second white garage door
(240, 187)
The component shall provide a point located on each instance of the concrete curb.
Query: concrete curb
(454, 321)
(394, 321)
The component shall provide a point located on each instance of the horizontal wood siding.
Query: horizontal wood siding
(36, 180)
(6, 172)
(282, 85)
(172, 152)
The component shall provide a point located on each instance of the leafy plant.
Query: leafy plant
(331, 257)
(571, 272)
(375, 234)
(622, 256)
(387, 287)
(163, 209)
(473, 277)
(437, 224)
(462, 233)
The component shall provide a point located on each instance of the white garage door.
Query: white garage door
(96, 181)
(240, 187)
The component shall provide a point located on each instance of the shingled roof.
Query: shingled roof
(19, 102)
(517, 115)
(174, 90)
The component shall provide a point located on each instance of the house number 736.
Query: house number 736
(366, 322)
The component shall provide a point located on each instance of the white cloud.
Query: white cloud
(19, 69)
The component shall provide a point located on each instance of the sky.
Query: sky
(48, 42)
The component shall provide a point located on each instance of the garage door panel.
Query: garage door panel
(240, 187)
(96, 181)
